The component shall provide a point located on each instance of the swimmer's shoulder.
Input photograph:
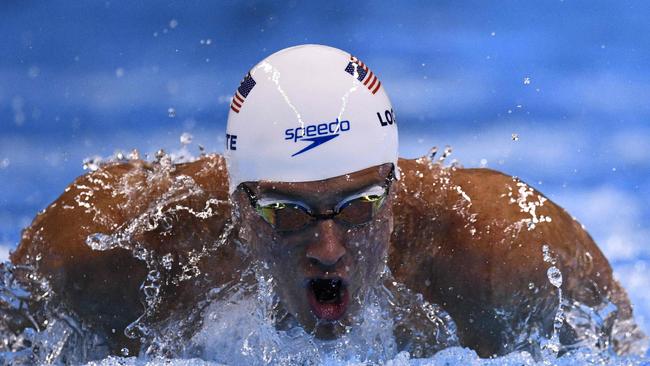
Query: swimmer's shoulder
(84, 242)
(496, 227)
(104, 199)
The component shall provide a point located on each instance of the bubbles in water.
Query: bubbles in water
(515, 137)
(173, 23)
(554, 276)
(119, 72)
(124, 351)
(527, 80)
(4, 163)
(171, 112)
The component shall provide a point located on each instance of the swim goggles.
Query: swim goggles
(355, 210)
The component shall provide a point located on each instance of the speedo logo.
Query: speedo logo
(317, 134)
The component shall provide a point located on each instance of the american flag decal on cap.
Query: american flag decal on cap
(364, 75)
(242, 92)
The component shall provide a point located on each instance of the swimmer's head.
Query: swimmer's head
(308, 113)
(311, 147)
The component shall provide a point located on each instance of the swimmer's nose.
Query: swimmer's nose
(327, 249)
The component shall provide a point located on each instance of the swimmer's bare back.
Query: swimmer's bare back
(470, 240)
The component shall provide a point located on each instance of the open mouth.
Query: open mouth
(328, 298)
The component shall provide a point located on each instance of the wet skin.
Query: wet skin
(324, 249)
(465, 239)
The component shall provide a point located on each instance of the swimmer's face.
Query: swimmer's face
(323, 267)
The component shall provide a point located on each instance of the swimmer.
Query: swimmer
(311, 186)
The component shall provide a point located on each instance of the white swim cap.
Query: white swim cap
(308, 113)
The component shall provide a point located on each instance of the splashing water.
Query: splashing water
(552, 346)
(244, 323)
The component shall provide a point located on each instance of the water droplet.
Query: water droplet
(124, 351)
(173, 23)
(119, 72)
(483, 162)
(92, 163)
(554, 276)
(33, 72)
(493, 34)
(531, 285)
(134, 154)
(445, 154)
(186, 138)
(432, 153)
(546, 251)
(101, 242)
(159, 155)
(167, 261)
(171, 112)
(4, 163)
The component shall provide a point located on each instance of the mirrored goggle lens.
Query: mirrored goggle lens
(360, 210)
(291, 217)
(284, 216)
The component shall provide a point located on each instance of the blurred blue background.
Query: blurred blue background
(555, 92)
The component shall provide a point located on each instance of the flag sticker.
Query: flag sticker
(245, 87)
(363, 74)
